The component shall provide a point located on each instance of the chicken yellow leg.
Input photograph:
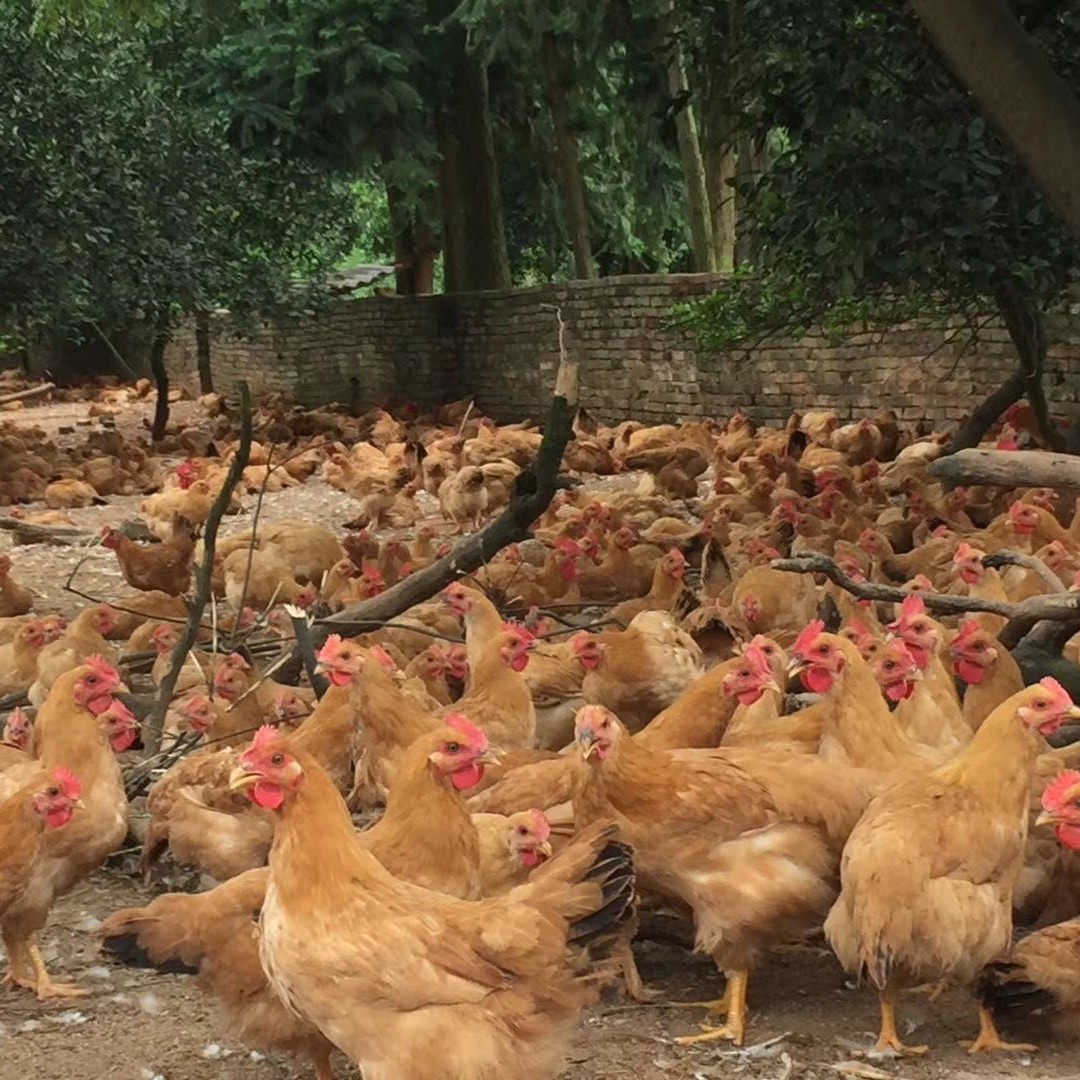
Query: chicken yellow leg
(989, 1039)
(321, 1060)
(46, 988)
(19, 972)
(888, 1039)
(734, 1027)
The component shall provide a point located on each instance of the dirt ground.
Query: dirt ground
(806, 1023)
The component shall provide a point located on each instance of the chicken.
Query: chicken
(664, 593)
(14, 598)
(68, 734)
(19, 657)
(747, 841)
(464, 497)
(190, 501)
(69, 494)
(46, 803)
(768, 601)
(211, 934)
(412, 985)
(1039, 979)
(511, 847)
(269, 581)
(986, 667)
(84, 637)
(928, 873)
(15, 739)
(640, 671)
(165, 567)
(497, 697)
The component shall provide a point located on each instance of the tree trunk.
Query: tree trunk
(1012, 81)
(567, 157)
(686, 129)
(718, 156)
(202, 351)
(476, 255)
(982, 419)
(162, 334)
(1023, 320)
(414, 247)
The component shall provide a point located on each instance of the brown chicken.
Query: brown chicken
(14, 598)
(68, 734)
(413, 985)
(747, 841)
(46, 803)
(511, 847)
(640, 671)
(928, 873)
(85, 636)
(165, 567)
(19, 657)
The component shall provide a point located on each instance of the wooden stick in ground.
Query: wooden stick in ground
(1036, 608)
(156, 720)
(30, 392)
(1008, 468)
(533, 490)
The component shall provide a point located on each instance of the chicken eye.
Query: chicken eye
(53, 792)
(890, 665)
(1040, 703)
(823, 649)
(452, 748)
(91, 680)
(979, 646)
(522, 831)
(277, 760)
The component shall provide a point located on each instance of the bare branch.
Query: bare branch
(156, 720)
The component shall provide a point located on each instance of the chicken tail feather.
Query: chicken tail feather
(1005, 989)
(613, 871)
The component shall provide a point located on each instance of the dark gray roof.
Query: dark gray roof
(353, 277)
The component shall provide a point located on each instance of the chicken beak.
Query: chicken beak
(544, 849)
(1073, 713)
(1047, 817)
(78, 804)
(795, 665)
(240, 778)
(487, 757)
(587, 741)
(772, 684)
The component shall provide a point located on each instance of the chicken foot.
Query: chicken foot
(633, 984)
(320, 1059)
(888, 1038)
(989, 1039)
(18, 965)
(45, 987)
(734, 1002)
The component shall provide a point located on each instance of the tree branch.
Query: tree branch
(1037, 607)
(1008, 468)
(156, 720)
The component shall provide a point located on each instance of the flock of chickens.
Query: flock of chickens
(631, 713)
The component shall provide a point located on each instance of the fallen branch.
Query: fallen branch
(533, 491)
(156, 720)
(305, 645)
(26, 395)
(1037, 608)
(1008, 468)
(998, 559)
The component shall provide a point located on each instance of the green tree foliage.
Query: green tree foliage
(121, 194)
(889, 193)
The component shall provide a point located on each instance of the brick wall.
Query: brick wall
(503, 347)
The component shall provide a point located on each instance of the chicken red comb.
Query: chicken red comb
(385, 660)
(266, 735)
(101, 667)
(372, 573)
(328, 653)
(541, 825)
(912, 607)
(858, 630)
(898, 651)
(193, 702)
(1058, 692)
(120, 711)
(968, 629)
(965, 551)
(1061, 790)
(67, 782)
(522, 633)
(677, 555)
(808, 637)
(571, 547)
(476, 739)
(758, 661)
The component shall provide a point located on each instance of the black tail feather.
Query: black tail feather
(1003, 990)
(614, 869)
(126, 949)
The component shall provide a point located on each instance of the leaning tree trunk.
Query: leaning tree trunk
(719, 159)
(567, 157)
(202, 351)
(162, 334)
(1012, 80)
